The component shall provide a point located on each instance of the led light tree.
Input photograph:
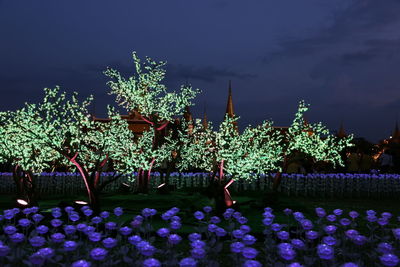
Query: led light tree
(65, 126)
(313, 140)
(227, 153)
(145, 93)
(28, 157)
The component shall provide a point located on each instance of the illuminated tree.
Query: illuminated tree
(145, 93)
(27, 156)
(227, 153)
(65, 126)
(313, 140)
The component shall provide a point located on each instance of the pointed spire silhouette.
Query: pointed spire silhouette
(187, 114)
(229, 105)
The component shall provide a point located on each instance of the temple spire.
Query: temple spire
(229, 105)
(187, 114)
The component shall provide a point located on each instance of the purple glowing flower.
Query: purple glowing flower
(147, 250)
(249, 240)
(237, 234)
(151, 262)
(136, 223)
(37, 241)
(331, 217)
(163, 232)
(98, 254)
(175, 225)
(37, 217)
(268, 209)
(220, 232)
(237, 247)
(207, 209)
(9, 229)
(118, 211)
(351, 233)
(56, 222)
(287, 254)
(386, 215)
(199, 215)
(110, 225)
(325, 252)
(198, 253)
(245, 228)
(297, 243)
(227, 215)
(320, 212)
(249, 253)
(68, 209)
(236, 215)
(69, 229)
(194, 236)
(88, 212)
(268, 221)
(94, 236)
(176, 218)
(385, 248)
(306, 224)
(175, 210)
(104, 214)
(17, 237)
(329, 240)
(276, 227)
(242, 220)
(188, 262)
(4, 250)
(212, 227)
(56, 213)
(215, 219)
(198, 244)
(74, 216)
(330, 229)
(295, 264)
(370, 213)
(125, 230)
(146, 212)
(252, 263)
(81, 227)
(383, 221)
(287, 211)
(298, 216)
(174, 239)
(46, 252)
(283, 235)
(109, 242)
(42, 229)
(338, 212)
(135, 239)
(349, 264)
(389, 260)
(372, 218)
(70, 245)
(311, 235)
(57, 237)
(285, 246)
(81, 263)
(353, 214)
(96, 220)
(89, 229)
(24, 222)
(37, 258)
(345, 222)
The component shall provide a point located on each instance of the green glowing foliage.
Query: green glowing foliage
(314, 139)
(144, 91)
(17, 147)
(242, 156)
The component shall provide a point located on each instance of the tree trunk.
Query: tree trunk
(278, 175)
(26, 186)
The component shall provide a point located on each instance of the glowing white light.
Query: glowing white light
(161, 185)
(81, 202)
(22, 202)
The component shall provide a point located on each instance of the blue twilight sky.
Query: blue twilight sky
(341, 56)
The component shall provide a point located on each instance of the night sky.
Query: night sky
(341, 56)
